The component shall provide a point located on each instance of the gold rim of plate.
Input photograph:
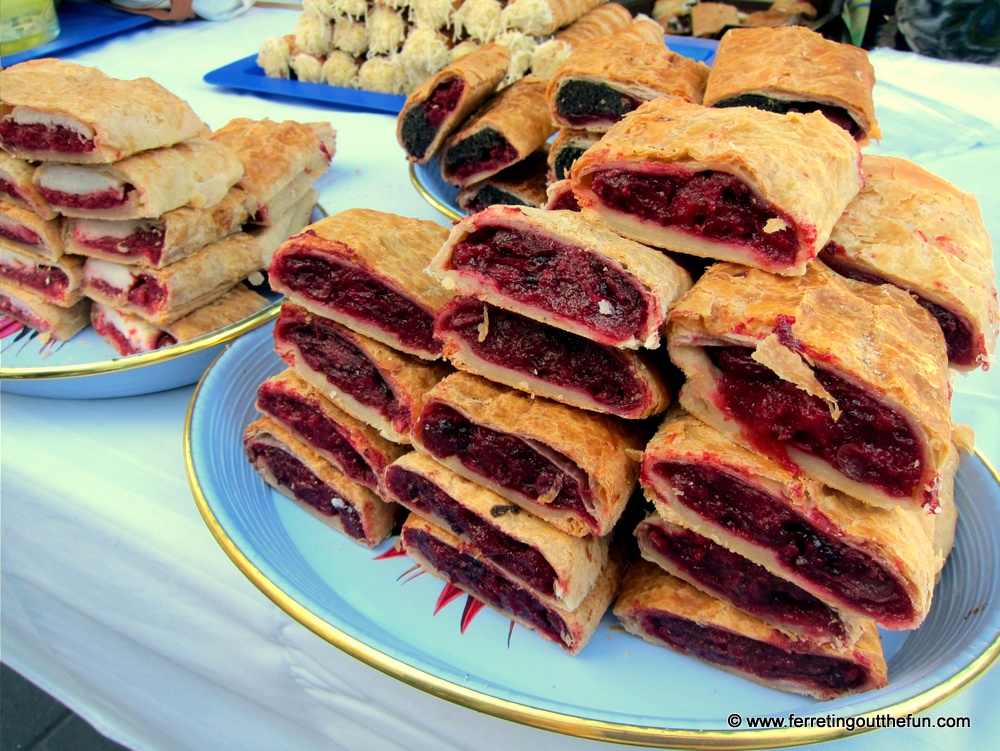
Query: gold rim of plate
(433, 200)
(743, 739)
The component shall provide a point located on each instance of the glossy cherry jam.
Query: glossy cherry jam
(145, 243)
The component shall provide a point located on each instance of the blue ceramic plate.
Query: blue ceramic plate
(246, 75)
(387, 619)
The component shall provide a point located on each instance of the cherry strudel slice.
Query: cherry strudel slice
(297, 472)
(59, 282)
(877, 562)
(354, 447)
(737, 184)
(795, 69)
(574, 469)
(444, 100)
(365, 269)
(669, 612)
(44, 317)
(913, 229)
(559, 196)
(440, 553)
(17, 186)
(558, 568)
(847, 381)
(25, 230)
(558, 268)
(198, 173)
(374, 383)
(540, 359)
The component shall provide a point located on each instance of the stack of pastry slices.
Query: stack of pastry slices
(122, 209)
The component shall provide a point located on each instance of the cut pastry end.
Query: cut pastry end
(773, 102)
(81, 190)
(127, 334)
(421, 124)
(591, 104)
(477, 156)
(50, 320)
(39, 135)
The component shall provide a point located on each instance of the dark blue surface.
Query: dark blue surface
(702, 50)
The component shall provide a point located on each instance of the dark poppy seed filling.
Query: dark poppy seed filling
(509, 462)
(484, 151)
(18, 233)
(145, 242)
(46, 280)
(836, 115)
(304, 417)
(518, 344)
(507, 553)
(581, 103)
(721, 647)
(356, 293)
(422, 122)
(474, 575)
(556, 277)
(956, 329)
(41, 137)
(491, 195)
(564, 160)
(99, 200)
(707, 204)
(291, 473)
(869, 443)
(345, 366)
(747, 585)
(846, 573)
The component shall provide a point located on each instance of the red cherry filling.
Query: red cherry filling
(509, 462)
(556, 277)
(10, 189)
(145, 242)
(520, 345)
(147, 293)
(484, 151)
(303, 416)
(869, 443)
(836, 115)
(582, 103)
(487, 584)
(421, 123)
(48, 281)
(18, 233)
(724, 648)
(708, 204)
(24, 316)
(99, 200)
(507, 553)
(803, 548)
(345, 366)
(356, 293)
(291, 473)
(747, 585)
(41, 137)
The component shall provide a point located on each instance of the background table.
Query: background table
(118, 601)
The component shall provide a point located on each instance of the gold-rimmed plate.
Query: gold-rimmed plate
(619, 688)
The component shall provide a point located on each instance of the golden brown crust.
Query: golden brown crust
(377, 516)
(899, 539)
(20, 175)
(290, 222)
(481, 70)
(598, 445)
(648, 590)
(802, 165)
(233, 306)
(709, 19)
(580, 623)
(14, 261)
(660, 279)
(519, 114)
(796, 64)
(576, 561)
(46, 318)
(919, 232)
(18, 82)
(49, 231)
(603, 20)
(874, 337)
(522, 183)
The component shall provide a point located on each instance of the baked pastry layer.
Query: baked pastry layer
(567, 146)
(59, 282)
(25, 230)
(17, 186)
(44, 317)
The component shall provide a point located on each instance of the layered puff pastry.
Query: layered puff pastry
(844, 381)
(354, 447)
(130, 334)
(795, 69)
(365, 269)
(25, 230)
(572, 468)
(913, 229)
(880, 563)
(161, 240)
(50, 320)
(439, 552)
(669, 612)
(558, 268)
(556, 567)
(59, 282)
(542, 360)
(297, 472)
(370, 381)
(606, 78)
(521, 184)
(162, 296)
(198, 173)
(444, 100)
(737, 184)
(17, 186)
(505, 130)
(96, 121)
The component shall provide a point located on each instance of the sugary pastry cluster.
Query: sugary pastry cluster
(709, 20)
(120, 208)
(711, 399)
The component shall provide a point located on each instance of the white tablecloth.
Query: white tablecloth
(117, 600)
